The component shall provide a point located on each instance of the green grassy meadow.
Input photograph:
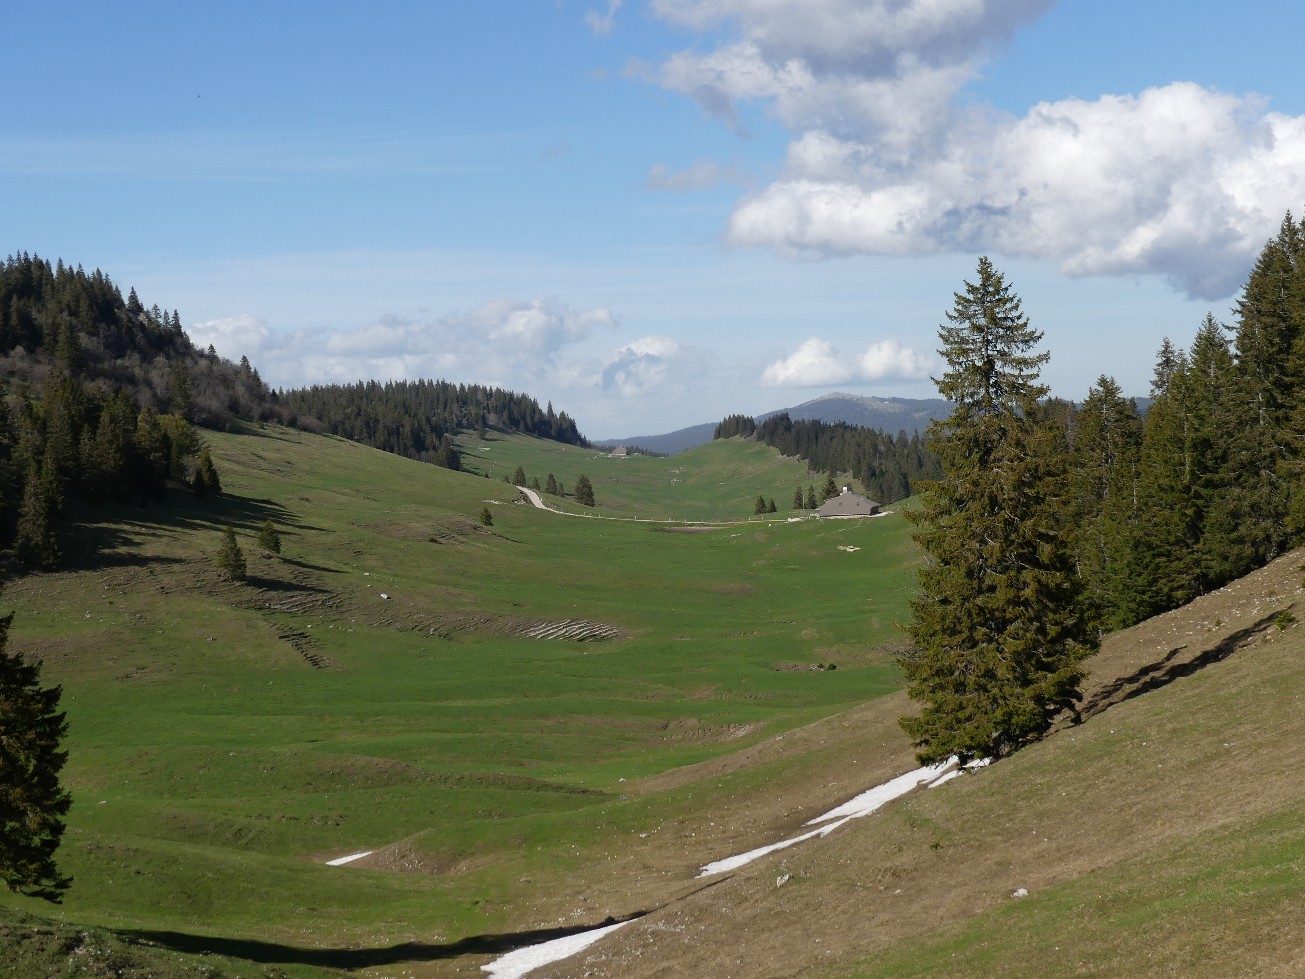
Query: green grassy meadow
(720, 480)
(227, 739)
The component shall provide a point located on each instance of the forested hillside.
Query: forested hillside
(60, 315)
(418, 419)
(888, 467)
(100, 397)
(1207, 486)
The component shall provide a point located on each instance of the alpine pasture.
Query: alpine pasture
(379, 686)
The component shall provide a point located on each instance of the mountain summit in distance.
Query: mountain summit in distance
(890, 415)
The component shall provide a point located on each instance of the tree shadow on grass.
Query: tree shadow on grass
(272, 953)
(108, 534)
(1153, 676)
(275, 584)
(308, 566)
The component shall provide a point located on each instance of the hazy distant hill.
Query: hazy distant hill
(887, 414)
(668, 444)
(890, 415)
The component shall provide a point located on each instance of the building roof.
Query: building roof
(848, 504)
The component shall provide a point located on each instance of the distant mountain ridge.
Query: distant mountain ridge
(890, 415)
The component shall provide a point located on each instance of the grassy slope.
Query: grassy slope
(1164, 836)
(717, 481)
(523, 785)
(214, 768)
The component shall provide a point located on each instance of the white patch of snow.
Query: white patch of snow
(948, 776)
(862, 805)
(517, 964)
(341, 861)
(739, 860)
(870, 800)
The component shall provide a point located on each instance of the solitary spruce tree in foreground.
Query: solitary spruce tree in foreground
(32, 802)
(996, 634)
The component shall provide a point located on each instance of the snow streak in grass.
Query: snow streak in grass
(516, 964)
(341, 861)
(862, 805)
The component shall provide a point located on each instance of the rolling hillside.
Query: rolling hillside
(382, 686)
(1162, 836)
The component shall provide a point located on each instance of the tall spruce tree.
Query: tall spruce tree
(584, 491)
(230, 558)
(32, 801)
(1221, 507)
(1104, 500)
(1269, 381)
(996, 635)
(1162, 553)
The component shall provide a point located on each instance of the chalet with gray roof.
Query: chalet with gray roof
(847, 504)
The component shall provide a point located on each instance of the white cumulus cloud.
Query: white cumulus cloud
(232, 337)
(520, 344)
(641, 366)
(1178, 181)
(816, 363)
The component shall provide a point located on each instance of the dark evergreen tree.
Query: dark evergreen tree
(830, 489)
(230, 558)
(797, 498)
(268, 539)
(486, 518)
(584, 491)
(1104, 490)
(811, 498)
(759, 506)
(996, 634)
(32, 801)
(36, 541)
(1162, 553)
(179, 390)
(551, 486)
(519, 476)
(206, 481)
(1268, 386)
(770, 506)
(68, 349)
(1219, 504)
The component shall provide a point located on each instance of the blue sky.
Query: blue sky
(656, 212)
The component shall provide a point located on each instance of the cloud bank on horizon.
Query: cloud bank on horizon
(499, 340)
(888, 158)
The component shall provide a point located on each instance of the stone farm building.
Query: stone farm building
(847, 504)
